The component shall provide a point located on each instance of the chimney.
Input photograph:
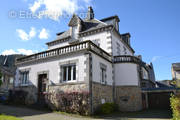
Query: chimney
(90, 13)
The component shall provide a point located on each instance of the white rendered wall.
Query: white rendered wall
(126, 74)
(54, 69)
(103, 38)
(115, 40)
(58, 45)
(96, 60)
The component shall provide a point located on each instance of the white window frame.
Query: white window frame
(67, 72)
(24, 78)
(103, 73)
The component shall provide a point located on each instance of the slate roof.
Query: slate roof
(111, 17)
(63, 35)
(87, 25)
(7, 63)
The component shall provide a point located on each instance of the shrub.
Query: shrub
(72, 102)
(175, 106)
(106, 108)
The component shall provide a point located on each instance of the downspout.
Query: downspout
(90, 83)
(113, 70)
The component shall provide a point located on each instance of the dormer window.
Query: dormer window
(74, 32)
(75, 25)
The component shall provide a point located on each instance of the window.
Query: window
(11, 80)
(118, 48)
(24, 77)
(69, 73)
(103, 73)
(145, 74)
(74, 32)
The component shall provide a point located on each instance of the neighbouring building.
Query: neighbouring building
(91, 56)
(8, 70)
(175, 69)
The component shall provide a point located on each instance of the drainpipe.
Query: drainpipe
(113, 77)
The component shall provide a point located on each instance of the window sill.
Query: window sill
(24, 85)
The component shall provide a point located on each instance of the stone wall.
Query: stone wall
(101, 93)
(53, 91)
(32, 93)
(128, 98)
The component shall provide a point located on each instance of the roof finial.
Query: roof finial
(90, 13)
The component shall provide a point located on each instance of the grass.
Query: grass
(7, 117)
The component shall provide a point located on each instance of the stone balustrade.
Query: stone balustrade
(127, 58)
(86, 45)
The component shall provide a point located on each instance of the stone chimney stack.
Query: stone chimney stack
(90, 13)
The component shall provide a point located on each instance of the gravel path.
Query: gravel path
(31, 114)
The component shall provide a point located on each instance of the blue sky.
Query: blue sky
(154, 26)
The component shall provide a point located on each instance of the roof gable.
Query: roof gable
(75, 20)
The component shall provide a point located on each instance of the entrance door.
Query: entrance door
(42, 82)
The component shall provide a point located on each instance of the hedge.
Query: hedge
(175, 106)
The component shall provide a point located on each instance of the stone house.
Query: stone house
(92, 56)
(175, 69)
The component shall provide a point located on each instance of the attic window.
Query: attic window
(74, 32)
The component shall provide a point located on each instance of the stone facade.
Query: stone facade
(66, 88)
(32, 94)
(128, 98)
(69, 87)
(100, 94)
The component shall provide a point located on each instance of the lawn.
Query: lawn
(7, 117)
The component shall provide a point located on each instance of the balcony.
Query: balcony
(127, 59)
(86, 45)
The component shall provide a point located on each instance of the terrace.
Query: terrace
(86, 45)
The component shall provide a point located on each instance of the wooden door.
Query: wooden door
(42, 84)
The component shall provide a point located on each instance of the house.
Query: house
(8, 70)
(92, 56)
(175, 69)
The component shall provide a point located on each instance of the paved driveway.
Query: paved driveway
(31, 114)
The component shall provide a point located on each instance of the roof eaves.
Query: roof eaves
(111, 17)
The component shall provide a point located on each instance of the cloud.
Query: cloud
(22, 34)
(18, 51)
(44, 34)
(8, 52)
(155, 58)
(53, 9)
(35, 6)
(26, 36)
(32, 33)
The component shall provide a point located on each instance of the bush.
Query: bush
(107, 108)
(175, 106)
